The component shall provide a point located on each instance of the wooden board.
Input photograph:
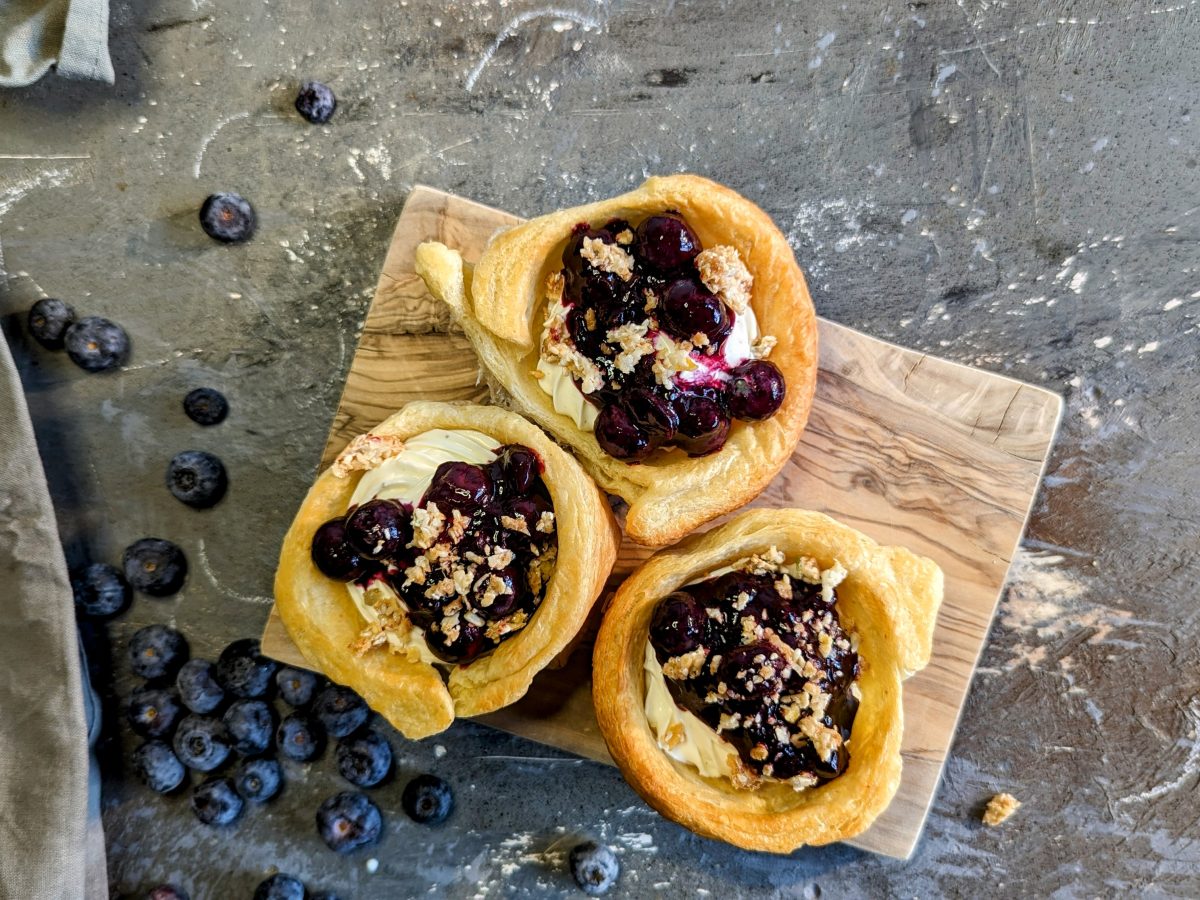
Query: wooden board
(910, 449)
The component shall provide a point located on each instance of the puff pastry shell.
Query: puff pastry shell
(323, 620)
(501, 309)
(890, 597)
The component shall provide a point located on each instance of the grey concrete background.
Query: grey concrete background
(1010, 185)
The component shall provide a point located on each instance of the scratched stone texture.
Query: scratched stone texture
(1011, 185)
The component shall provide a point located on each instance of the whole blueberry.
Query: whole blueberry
(250, 724)
(296, 686)
(49, 320)
(158, 767)
(428, 800)
(155, 567)
(333, 553)
(96, 344)
(665, 242)
(228, 217)
(216, 802)
(316, 102)
(201, 743)
(280, 887)
(348, 820)
(300, 737)
(365, 759)
(755, 390)
(100, 591)
(206, 406)
(340, 710)
(167, 892)
(198, 688)
(197, 478)
(152, 711)
(157, 651)
(243, 670)
(379, 529)
(594, 868)
(258, 779)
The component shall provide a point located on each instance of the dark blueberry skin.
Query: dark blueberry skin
(258, 780)
(688, 308)
(458, 485)
(651, 413)
(316, 102)
(428, 800)
(197, 478)
(158, 767)
(738, 664)
(594, 868)
(364, 759)
(280, 887)
(216, 802)
(155, 567)
(379, 529)
(678, 625)
(153, 712)
(296, 686)
(703, 425)
(228, 217)
(244, 671)
(201, 744)
(206, 406)
(96, 344)
(251, 724)
(167, 892)
(469, 643)
(619, 436)
(665, 243)
(755, 390)
(49, 320)
(198, 687)
(514, 471)
(340, 710)
(100, 591)
(348, 820)
(300, 737)
(333, 554)
(157, 651)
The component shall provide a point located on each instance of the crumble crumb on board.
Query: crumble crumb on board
(1000, 808)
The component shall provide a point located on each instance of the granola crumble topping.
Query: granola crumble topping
(365, 452)
(723, 272)
(608, 258)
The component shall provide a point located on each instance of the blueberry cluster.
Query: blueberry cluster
(93, 343)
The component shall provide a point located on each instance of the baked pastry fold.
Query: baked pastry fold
(889, 597)
(413, 695)
(501, 304)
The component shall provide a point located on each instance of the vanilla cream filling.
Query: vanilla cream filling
(406, 477)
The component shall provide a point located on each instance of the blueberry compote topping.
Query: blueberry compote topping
(469, 561)
(640, 317)
(760, 656)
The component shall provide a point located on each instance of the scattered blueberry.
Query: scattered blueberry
(206, 406)
(428, 800)
(95, 344)
(167, 892)
(348, 820)
(157, 651)
(100, 591)
(594, 868)
(215, 802)
(296, 686)
(250, 724)
(155, 567)
(316, 102)
(49, 320)
(201, 744)
(198, 688)
(152, 711)
(243, 670)
(197, 478)
(340, 710)
(364, 760)
(158, 767)
(280, 887)
(258, 779)
(228, 217)
(299, 737)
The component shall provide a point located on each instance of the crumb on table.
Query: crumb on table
(1000, 808)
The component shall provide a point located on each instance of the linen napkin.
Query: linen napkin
(38, 34)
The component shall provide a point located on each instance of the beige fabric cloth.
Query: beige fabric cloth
(45, 721)
(38, 34)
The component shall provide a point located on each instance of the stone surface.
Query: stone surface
(1007, 185)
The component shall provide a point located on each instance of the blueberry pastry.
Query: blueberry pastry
(442, 561)
(666, 336)
(748, 681)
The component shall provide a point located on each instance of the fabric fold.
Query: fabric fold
(36, 35)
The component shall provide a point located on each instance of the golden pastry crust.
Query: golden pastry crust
(889, 596)
(323, 620)
(670, 494)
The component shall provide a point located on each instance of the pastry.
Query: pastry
(748, 681)
(442, 560)
(666, 336)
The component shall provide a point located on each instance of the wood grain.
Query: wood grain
(908, 448)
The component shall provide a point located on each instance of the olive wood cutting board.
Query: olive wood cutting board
(908, 448)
